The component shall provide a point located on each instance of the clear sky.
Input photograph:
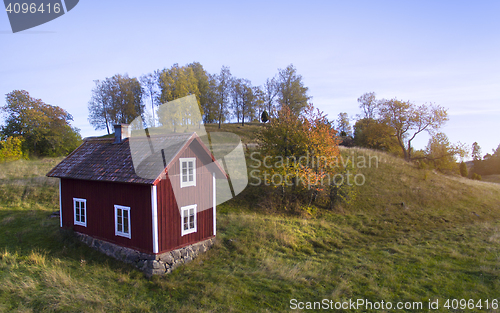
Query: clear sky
(444, 52)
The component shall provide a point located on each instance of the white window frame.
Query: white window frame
(122, 233)
(76, 220)
(185, 212)
(188, 182)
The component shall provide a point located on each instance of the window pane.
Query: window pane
(77, 204)
(119, 220)
(82, 205)
(77, 214)
(184, 170)
(190, 177)
(125, 221)
(191, 218)
(82, 218)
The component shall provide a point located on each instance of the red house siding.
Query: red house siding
(101, 198)
(169, 218)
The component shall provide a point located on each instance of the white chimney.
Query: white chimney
(122, 132)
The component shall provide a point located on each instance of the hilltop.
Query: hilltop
(410, 235)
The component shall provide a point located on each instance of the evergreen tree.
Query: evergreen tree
(264, 117)
(463, 169)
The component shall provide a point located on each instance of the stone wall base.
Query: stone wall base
(150, 264)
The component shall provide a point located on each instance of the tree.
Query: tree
(496, 153)
(237, 98)
(441, 153)
(11, 149)
(408, 120)
(177, 82)
(115, 100)
(373, 134)
(487, 165)
(264, 117)
(45, 129)
(150, 86)
(222, 92)
(205, 93)
(291, 90)
(476, 152)
(243, 100)
(271, 90)
(343, 125)
(211, 107)
(180, 113)
(322, 146)
(464, 172)
(259, 103)
(290, 138)
(368, 104)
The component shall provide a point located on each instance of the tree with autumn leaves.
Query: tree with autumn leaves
(304, 152)
(40, 129)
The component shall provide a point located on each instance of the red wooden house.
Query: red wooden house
(103, 198)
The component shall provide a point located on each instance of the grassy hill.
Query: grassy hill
(246, 132)
(494, 178)
(410, 235)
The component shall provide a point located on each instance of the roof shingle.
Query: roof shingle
(102, 160)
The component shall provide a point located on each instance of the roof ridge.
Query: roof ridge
(97, 139)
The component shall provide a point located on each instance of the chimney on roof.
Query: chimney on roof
(122, 132)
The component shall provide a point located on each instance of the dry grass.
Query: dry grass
(491, 178)
(442, 243)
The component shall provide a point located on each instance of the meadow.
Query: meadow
(411, 235)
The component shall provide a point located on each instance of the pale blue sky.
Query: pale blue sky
(445, 52)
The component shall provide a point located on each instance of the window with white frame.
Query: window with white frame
(80, 211)
(188, 219)
(188, 172)
(122, 221)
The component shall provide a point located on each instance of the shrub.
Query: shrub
(476, 176)
(11, 149)
(463, 169)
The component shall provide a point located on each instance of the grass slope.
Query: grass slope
(247, 132)
(442, 242)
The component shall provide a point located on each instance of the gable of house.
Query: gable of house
(103, 196)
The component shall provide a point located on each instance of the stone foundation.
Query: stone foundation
(150, 264)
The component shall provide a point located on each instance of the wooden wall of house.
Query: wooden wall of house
(101, 198)
(169, 216)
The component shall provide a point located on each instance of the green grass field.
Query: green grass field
(492, 178)
(410, 235)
